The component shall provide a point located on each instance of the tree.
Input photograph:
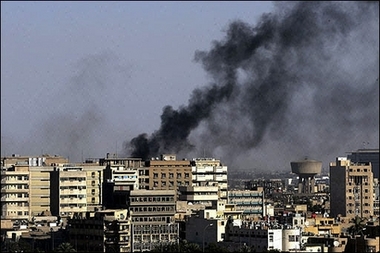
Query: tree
(358, 226)
(65, 247)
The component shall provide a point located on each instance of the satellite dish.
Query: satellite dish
(336, 243)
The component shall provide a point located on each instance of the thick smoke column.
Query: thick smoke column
(306, 64)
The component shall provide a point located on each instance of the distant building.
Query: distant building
(152, 215)
(366, 155)
(251, 202)
(210, 172)
(166, 173)
(351, 188)
(121, 175)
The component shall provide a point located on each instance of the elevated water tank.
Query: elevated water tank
(306, 171)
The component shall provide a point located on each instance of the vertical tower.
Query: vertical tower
(351, 188)
(306, 171)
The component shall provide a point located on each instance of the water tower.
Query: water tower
(306, 171)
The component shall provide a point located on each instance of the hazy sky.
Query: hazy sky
(81, 79)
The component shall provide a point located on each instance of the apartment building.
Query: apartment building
(206, 196)
(39, 189)
(366, 155)
(25, 185)
(121, 176)
(210, 172)
(68, 191)
(251, 202)
(168, 173)
(94, 182)
(15, 200)
(152, 219)
(351, 188)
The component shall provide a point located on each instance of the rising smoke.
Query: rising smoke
(302, 81)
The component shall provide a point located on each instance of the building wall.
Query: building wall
(351, 188)
(168, 173)
(15, 192)
(249, 201)
(40, 189)
(367, 155)
(68, 191)
(210, 172)
(152, 218)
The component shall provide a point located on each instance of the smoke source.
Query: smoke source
(301, 82)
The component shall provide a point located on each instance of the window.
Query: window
(292, 238)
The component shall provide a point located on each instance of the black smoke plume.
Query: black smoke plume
(304, 78)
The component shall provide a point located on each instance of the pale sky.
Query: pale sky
(79, 79)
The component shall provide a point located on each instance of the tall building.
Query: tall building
(25, 185)
(15, 193)
(351, 188)
(39, 189)
(152, 219)
(168, 173)
(68, 191)
(366, 155)
(210, 172)
(121, 175)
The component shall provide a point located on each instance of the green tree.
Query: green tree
(357, 227)
(65, 247)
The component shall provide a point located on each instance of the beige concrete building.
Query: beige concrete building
(15, 193)
(152, 219)
(39, 189)
(27, 187)
(210, 172)
(68, 191)
(168, 173)
(351, 188)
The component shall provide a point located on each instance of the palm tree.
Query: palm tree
(358, 226)
(65, 247)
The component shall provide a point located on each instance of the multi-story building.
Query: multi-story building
(94, 182)
(68, 191)
(366, 155)
(121, 175)
(15, 192)
(39, 189)
(210, 172)
(104, 231)
(168, 173)
(152, 219)
(25, 185)
(351, 188)
(207, 196)
(251, 202)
